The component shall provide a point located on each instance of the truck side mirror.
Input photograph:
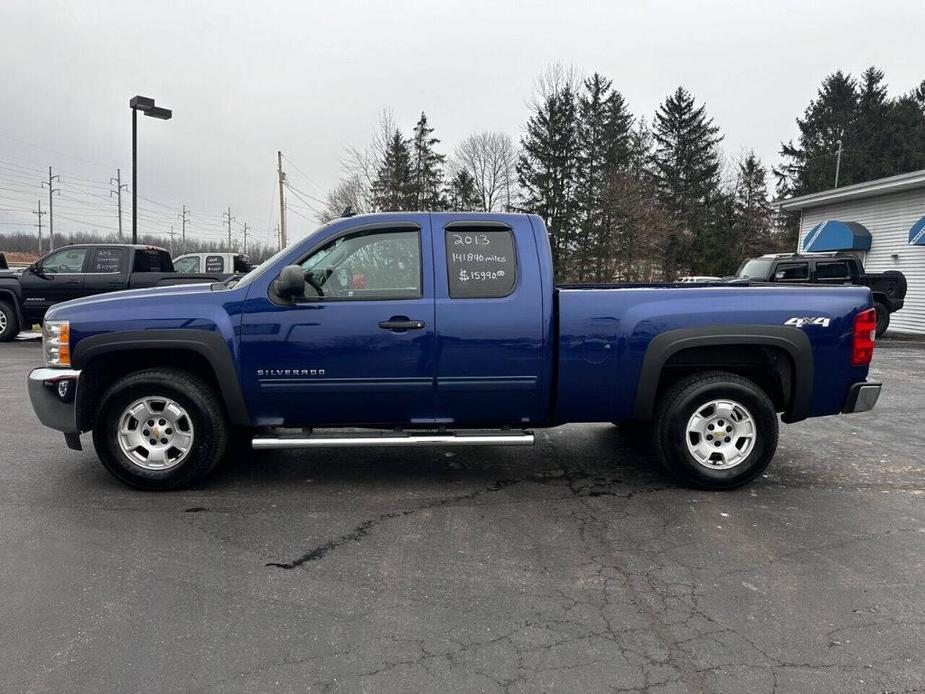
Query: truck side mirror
(291, 282)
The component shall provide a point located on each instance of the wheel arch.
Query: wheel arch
(9, 296)
(669, 348)
(104, 358)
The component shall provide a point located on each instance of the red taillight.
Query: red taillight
(862, 339)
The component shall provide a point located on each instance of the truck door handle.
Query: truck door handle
(401, 323)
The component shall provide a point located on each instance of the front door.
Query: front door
(358, 347)
(60, 278)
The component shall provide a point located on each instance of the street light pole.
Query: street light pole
(134, 175)
(146, 105)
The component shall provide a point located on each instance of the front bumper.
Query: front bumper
(862, 397)
(53, 393)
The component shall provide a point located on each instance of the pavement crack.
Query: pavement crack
(579, 484)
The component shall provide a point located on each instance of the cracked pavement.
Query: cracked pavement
(577, 565)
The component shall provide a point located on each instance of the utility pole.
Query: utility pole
(229, 219)
(39, 212)
(171, 235)
(120, 186)
(244, 249)
(282, 200)
(184, 218)
(838, 162)
(51, 215)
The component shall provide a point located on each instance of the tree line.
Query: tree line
(627, 198)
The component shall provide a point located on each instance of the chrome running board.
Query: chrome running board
(392, 438)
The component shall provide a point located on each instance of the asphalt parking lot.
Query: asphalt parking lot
(575, 566)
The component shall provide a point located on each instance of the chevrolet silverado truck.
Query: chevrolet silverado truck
(888, 288)
(456, 336)
(82, 270)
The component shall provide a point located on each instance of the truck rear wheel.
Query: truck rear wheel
(160, 429)
(9, 322)
(716, 430)
(883, 318)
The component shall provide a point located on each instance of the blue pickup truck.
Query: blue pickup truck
(444, 329)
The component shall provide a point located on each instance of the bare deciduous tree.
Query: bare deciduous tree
(490, 159)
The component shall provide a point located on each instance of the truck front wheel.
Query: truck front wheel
(9, 322)
(716, 430)
(160, 429)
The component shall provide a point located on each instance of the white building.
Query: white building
(893, 211)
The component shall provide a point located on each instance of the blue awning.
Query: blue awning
(917, 233)
(833, 235)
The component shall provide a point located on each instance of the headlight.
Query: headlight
(56, 343)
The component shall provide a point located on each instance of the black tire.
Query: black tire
(883, 318)
(10, 322)
(688, 397)
(209, 428)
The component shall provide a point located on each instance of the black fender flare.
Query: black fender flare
(7, 293)
(792, 340)
(209, 344)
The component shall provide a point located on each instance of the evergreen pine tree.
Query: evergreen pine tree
(591, 173)
(427, 167)
(461, 193)
(810, 164)
(393, 188)
(686, 169)
(546, 170)
(753, 212)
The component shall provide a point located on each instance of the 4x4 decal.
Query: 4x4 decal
(800, 321)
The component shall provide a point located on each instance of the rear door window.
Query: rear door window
(833, 271)
(215, 263)
(480, 263)
(105, 261)
(791, 272)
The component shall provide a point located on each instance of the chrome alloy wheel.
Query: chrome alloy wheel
(721, 434)
(155, 433)
(2, 321)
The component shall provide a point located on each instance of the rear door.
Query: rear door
(107, 270)
(490, 330)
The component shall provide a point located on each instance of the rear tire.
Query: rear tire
(160, 429)
(9, 322)
(716, 430)
(883, 318)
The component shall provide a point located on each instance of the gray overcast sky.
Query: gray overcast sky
(310, 78)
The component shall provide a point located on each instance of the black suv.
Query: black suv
(888, 288)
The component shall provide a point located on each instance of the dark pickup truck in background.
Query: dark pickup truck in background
(77, 271)
(888, 288)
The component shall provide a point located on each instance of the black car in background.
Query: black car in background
(75, 271)
(888, 288)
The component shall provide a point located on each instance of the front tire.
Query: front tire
(9, 322)
(160, 429)
(716, 430)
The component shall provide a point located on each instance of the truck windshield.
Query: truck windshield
(755, 269)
